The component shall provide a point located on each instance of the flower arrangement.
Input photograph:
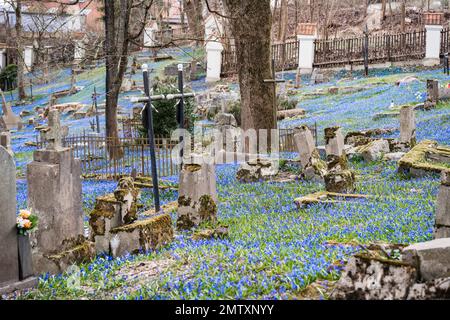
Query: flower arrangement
(26, 222)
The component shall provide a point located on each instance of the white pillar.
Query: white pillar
(433, 45)
(2, 59)
(214, 61)
(307, 34)
(28, 56)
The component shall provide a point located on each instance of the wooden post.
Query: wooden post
(366, 51)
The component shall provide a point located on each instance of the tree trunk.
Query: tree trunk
(194, 13)
(20, 53)
(283, 21)
(383, 10)
(403, 15)
(112, 92)
(253, 50)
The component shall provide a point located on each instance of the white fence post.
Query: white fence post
(307, 34)
(433, 27)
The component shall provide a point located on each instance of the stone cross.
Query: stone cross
(9, 258)
(408, 126)
(54, 133)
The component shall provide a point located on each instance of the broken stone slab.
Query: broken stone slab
(340, 181)
(374, 150)
(393, 156)
(219, 232)
(326, 197)
(78, 254)
(384, 115)
(358, 138)
(257, 170)
(416, 161)
(142, 236)
(288, 114)
(19, 286)
(372, 278)
(225, 119)
(334, 141)
(431, 259)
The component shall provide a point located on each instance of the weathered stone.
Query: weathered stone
(366, 278)
(5, 141)
(54, 133)
(257, 170)
(325, 197)
(83, 252)
(334, 141)
(54, 195)
(445, 177)
(197, 195)
(305, 145)
(142, 236)
(416, 163)
(432, 94)
(292, 113)
(375, 150)
(340, 181)
(337, 163)
(431, 258)
(443, 207)
(393, 156)
(225, 119)
(9, 259)
(435, 289)
(408, 125)
(219, 232)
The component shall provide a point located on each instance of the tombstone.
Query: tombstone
(9, 120)
(54, 195)
(316, 77)
(28, 56)
(9, 256)
(334, 141)
(214, 61)
(433, 26)
(338, 178)
(197, 195)
(5, 141)
(408, 126)
(313, 167)
(432, 94)
(306, 35)
(2, 59)
(442, 228)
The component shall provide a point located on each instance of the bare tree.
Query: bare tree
(194, 13)
(120, 31)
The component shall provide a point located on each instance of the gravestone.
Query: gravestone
(313, 167)
(9, 257)
(9, 120)
(442, 229)
(338, 178)
(408, 126)
(432, 94)
(197, 195)
(5, 141)
(54, 195)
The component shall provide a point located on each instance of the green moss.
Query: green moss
(417, 157)
(151, 223)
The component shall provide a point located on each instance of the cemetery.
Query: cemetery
(346, 196)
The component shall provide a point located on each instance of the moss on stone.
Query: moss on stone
(153, 222)
(208, 208)
(416, 158)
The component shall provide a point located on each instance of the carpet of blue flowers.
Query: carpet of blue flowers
(274, 251)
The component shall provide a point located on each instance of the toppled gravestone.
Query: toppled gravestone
(115, 228)
(257, 170)
(418, 272)
(426, 157)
